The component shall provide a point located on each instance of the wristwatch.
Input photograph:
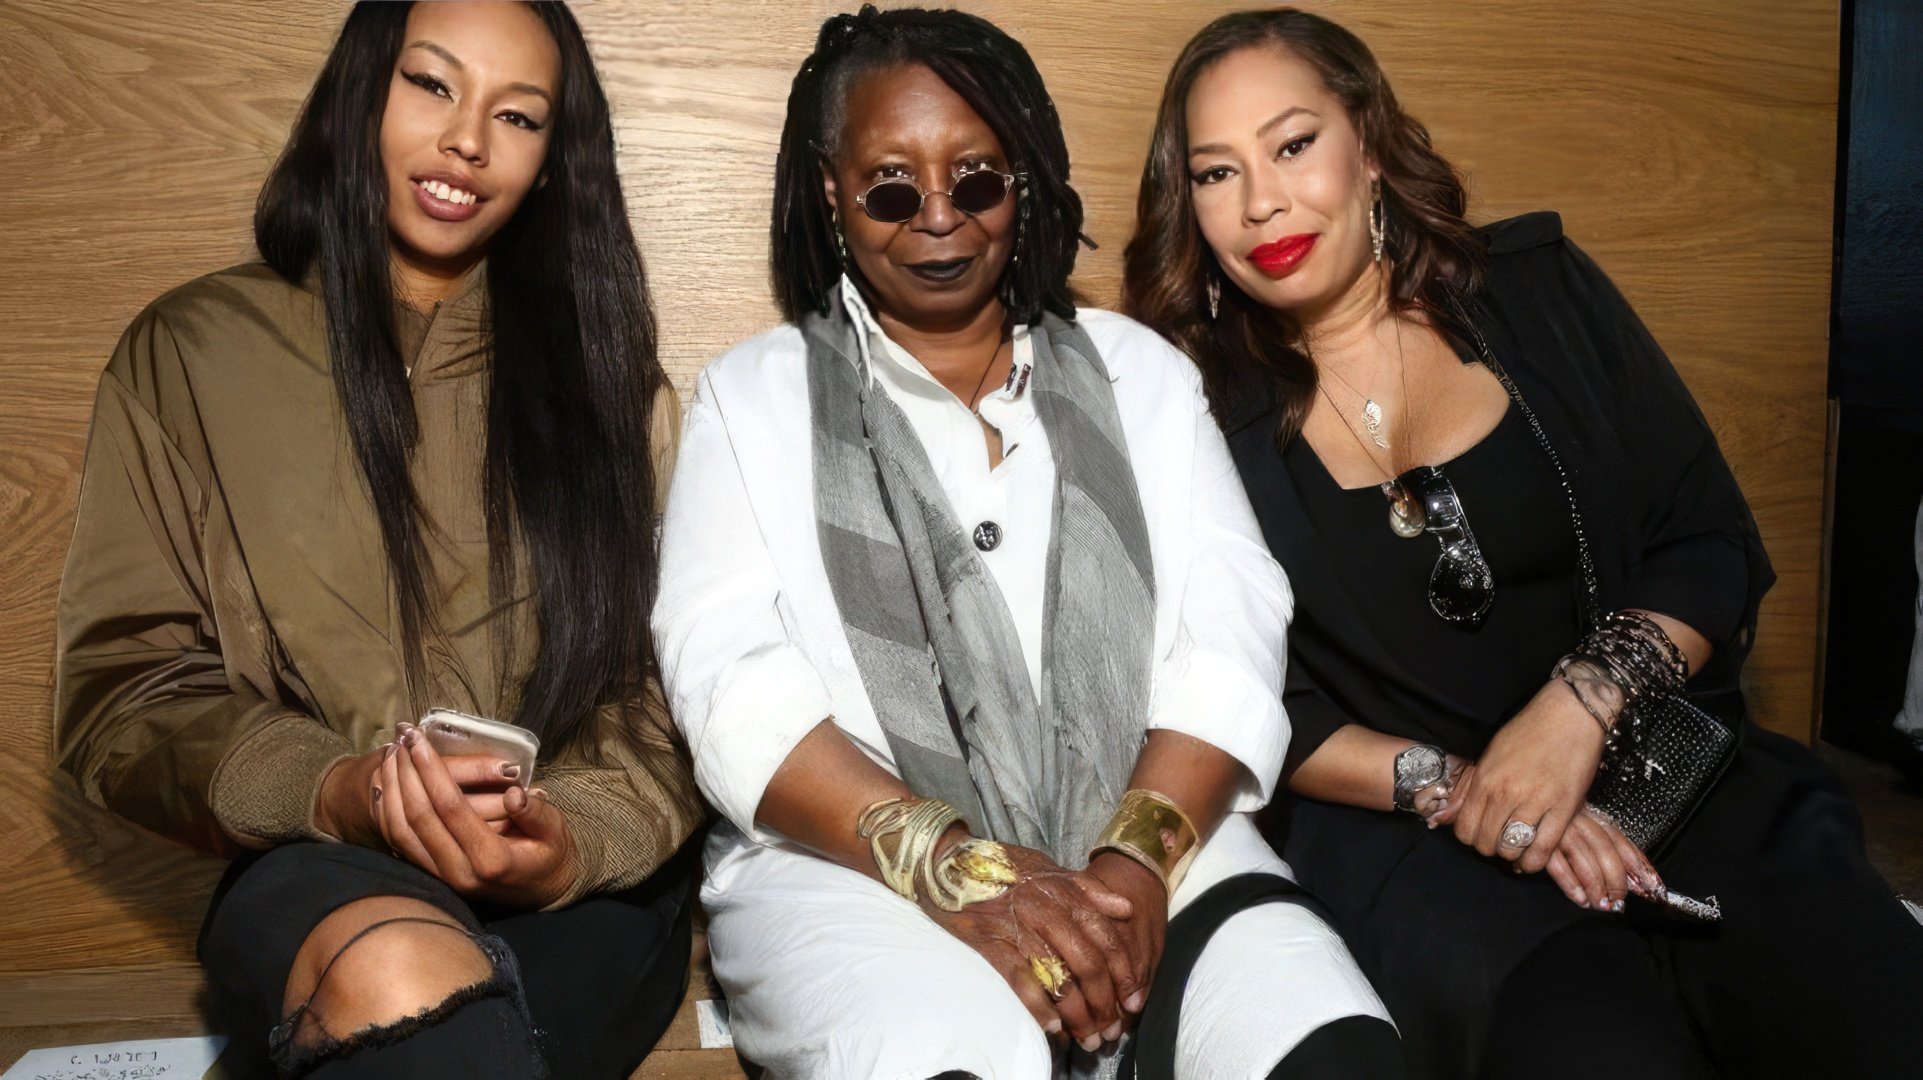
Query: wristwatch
(1418, 767)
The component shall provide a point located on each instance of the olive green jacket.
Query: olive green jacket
(227, 628)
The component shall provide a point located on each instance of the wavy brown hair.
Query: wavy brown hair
(1436, 257)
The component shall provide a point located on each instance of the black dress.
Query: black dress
(1815, 964)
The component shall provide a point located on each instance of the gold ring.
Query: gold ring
(1051, 973)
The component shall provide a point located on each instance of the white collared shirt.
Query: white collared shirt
(1015, 498)
(752, 649)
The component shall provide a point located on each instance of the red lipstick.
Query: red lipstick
(1279, 258)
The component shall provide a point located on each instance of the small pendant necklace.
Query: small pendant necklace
(1371, 412)
(1406, 517)
(975, 400)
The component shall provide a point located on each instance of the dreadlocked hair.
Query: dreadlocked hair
(996, 77)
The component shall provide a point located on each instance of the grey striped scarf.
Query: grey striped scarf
(935, 644)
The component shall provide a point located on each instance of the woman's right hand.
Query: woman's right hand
(1054, 911)
(348, 807)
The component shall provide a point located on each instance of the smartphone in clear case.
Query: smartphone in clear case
(453, 733)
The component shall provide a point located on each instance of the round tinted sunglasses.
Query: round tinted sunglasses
(897, 199)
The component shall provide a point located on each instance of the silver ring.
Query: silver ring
(1518, 835)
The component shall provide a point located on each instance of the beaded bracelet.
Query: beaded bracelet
(1626, 658)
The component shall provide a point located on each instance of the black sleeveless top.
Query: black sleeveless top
(1474, 678)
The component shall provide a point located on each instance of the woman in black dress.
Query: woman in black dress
(1306, 245)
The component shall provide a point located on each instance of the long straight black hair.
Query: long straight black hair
(997, 78)
(572, 377)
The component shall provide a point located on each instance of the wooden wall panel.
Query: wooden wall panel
(1689, 146)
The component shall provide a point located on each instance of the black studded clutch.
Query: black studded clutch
(1652, 787)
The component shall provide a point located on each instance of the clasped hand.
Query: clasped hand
(1538, 770)
(1105, 923)
(462, 819)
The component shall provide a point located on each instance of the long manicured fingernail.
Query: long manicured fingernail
(1092, 1043)
(1616, 906)
(1582, 897)
(1135, 1001)
(510, 771)
(387, 751)
(1112, 1032)
(1053, 1027)
(410, 737)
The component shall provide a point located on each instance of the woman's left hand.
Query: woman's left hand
(1537, 771)
(1144, 928)
(430, 821)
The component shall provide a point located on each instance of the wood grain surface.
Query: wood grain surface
(1689, 146)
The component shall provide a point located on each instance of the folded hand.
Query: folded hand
(1052, 912)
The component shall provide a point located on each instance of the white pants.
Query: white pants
(831, 975)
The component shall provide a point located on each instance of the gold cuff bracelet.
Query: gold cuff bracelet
(1149, 828)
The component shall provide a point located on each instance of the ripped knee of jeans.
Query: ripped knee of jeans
(370, 1002)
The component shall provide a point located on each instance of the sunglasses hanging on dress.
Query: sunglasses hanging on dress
(1461, 587)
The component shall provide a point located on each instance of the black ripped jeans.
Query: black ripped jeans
(581, 992)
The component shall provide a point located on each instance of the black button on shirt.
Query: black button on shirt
(988, 536)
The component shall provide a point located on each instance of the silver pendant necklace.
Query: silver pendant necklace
(1371, 412)
(1406, 517)
(1372, 422)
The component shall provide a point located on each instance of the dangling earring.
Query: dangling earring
(1215, 296)
(1378, 221)
(841, 244)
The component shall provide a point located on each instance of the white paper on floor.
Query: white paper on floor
(135, 1059)
(712, 1016)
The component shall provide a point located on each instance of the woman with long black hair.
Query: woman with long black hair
(408, 463)
(1527, 582)
(971, 630)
